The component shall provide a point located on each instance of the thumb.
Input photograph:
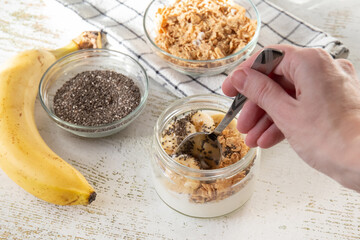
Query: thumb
(263, 91)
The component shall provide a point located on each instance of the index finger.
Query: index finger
(227, 87)
(280, 70)
(283, 68)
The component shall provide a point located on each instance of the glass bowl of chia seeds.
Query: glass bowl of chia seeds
(94, 92)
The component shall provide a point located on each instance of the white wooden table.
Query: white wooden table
(291, 201)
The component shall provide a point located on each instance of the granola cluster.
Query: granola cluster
(203, 29)
(233, 149)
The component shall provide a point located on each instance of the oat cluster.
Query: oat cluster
(203, 29)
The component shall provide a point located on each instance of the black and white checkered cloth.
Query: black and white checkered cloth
(122, 21)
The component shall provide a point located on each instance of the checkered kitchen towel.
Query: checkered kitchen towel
(122, 20)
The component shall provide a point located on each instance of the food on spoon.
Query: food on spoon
(24, 156)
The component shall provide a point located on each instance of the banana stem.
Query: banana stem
(88, 39)
(60, 52)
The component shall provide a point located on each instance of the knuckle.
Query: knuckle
(314, 54)
(315, 58)
(346, 65)
(322, 53)
(262, 93)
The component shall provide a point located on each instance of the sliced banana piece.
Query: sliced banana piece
(169, 143)
(190, 128)
(188, 185)
(218, 117)
(174, 134)
(202, 122)
(188, 161)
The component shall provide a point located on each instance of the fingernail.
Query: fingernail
(238, 78)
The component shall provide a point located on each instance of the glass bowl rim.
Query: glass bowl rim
(252, 41)
(99, 127)
(213, 173)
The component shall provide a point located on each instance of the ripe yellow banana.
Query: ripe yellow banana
(24, 156)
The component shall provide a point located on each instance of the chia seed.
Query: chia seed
(94, 98)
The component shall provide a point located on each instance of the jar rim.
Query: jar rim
(168, 114)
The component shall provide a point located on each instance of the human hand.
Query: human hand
(310, 99)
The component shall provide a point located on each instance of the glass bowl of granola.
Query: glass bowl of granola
(202, 37)
(198, 186)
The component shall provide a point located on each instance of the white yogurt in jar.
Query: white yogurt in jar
(181, 203)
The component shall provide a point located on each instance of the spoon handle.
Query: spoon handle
(265, 63)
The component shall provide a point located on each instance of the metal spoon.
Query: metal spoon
(206, 145)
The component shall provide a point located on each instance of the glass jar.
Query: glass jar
(198, 192)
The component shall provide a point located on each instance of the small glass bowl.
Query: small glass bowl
(196, 68)
(220, 191)
(87, 60)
